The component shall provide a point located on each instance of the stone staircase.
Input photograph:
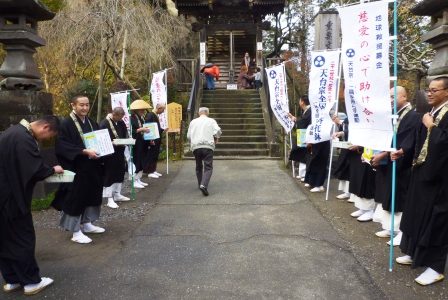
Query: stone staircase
(239, 114)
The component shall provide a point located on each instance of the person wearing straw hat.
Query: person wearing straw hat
(425, 218)
(115, 164)
(80, 200)
(140, 149)
(154, 145)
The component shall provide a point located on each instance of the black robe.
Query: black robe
(300, 153)
(406, 140)
(115, 164)
(425, 217)
(154, 150)
(87, 188)
(21, 166)
(362, 176)
(141, 147)
(342, 170)
(316, 167)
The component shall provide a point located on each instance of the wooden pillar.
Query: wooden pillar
(259, 46)
(232, 58)
(203, 46)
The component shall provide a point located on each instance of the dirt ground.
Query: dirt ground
(373, 252)
(370, 251)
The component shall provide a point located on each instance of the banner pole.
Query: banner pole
(394, 142)
(336, 113)
(130, 150)
(167, 119)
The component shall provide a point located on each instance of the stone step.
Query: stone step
(242, 138)
(235, 102)
(245, 145)
(231, 92)
(231, 132)
(240, 121)
(218, 106)
(217, 114)
(239, 126)
(236, 110)
(230, 99)
(241, 152)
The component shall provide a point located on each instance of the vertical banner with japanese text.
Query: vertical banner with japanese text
(322, 94)
(159, 95)
(365, 58)
(121, 100)
(279, 96)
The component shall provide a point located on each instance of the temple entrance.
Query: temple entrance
(226, 49)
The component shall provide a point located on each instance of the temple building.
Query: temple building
(228, 29)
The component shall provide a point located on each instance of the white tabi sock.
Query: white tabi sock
(429, 277)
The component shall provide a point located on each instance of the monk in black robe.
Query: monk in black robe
(342, 169)
(362, 185)
(407, 123)
(154, 145)
(316, 171)
(80, 200)
(425, 218)
(21, 166)
(115, 164)
(141, 147)
(299, 153)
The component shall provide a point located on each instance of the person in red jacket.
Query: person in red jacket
(211, 72)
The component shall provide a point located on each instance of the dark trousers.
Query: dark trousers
(204, 165)
(153, 157)
(17, 246)
(23, 271)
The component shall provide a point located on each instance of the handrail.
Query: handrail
(196, 90)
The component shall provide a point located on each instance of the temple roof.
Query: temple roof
(203, 8)
(31, 8)
(429, 7)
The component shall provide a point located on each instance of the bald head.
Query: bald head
(402, 97)
(118, 114)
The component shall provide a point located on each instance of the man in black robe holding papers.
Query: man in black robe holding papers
(21, 166)
(407, 122)
(80, 201)
(115, 164)
(425, 218)
(140, 150)
(299, 153)
(154, 145)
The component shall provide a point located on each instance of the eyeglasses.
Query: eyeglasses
(433, 91)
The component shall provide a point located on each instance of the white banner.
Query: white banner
(365, 57)
(202, 54)
(121, 100)
(322, 94)
(159, 95)
(279, 95)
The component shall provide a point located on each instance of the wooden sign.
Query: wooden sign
(174, 117)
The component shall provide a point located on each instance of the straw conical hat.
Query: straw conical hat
(139, 104)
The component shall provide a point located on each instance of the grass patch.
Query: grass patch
(42, 203)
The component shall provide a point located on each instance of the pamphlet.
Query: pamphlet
(99, 141)
(153, 133)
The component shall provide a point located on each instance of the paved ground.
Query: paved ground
(257, 236)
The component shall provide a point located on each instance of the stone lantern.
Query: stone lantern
(20, 84)
(438, 34)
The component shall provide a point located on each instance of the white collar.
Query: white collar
(434, 111)
(81, 118)
(401, 109)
